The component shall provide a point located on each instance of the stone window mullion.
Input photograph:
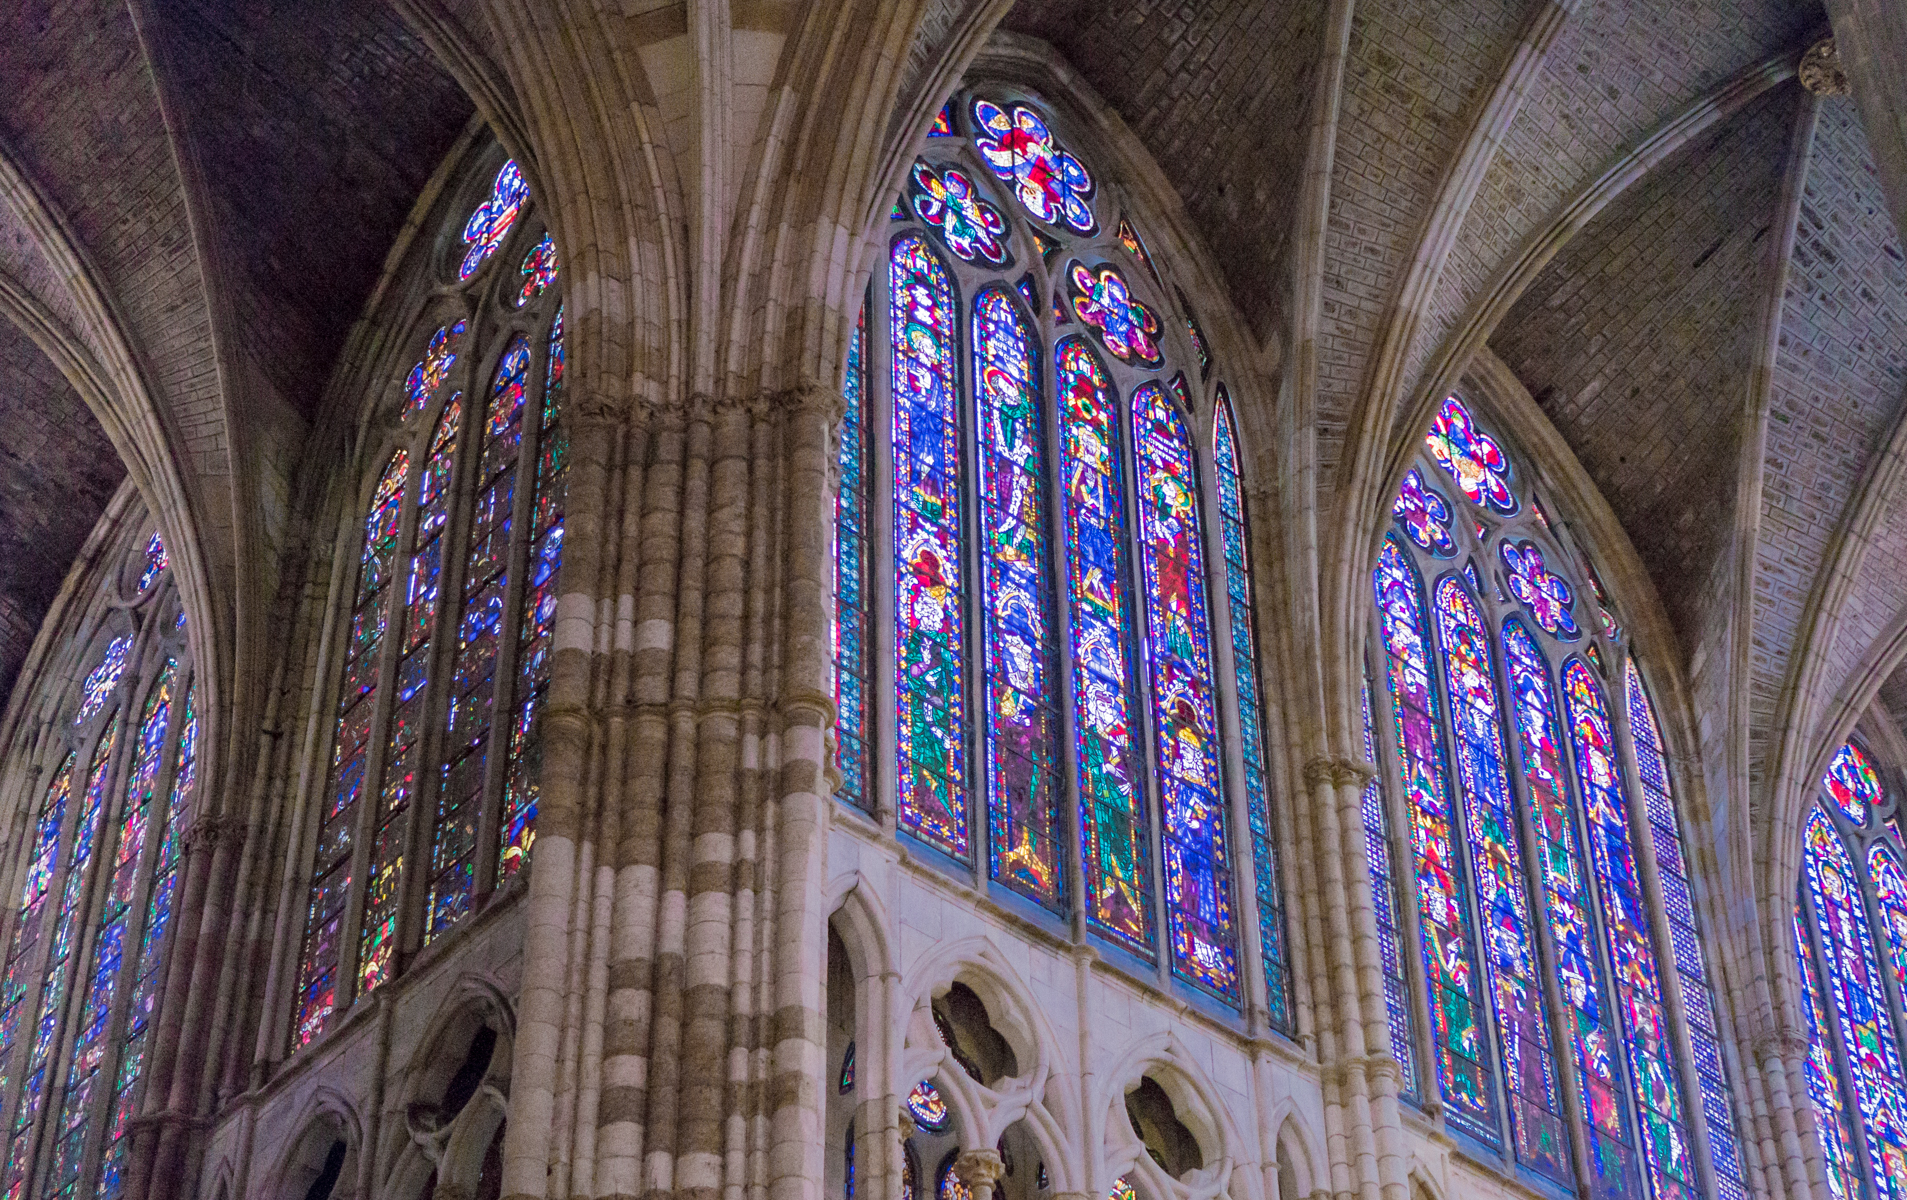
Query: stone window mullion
(377, 746)
(504, 698)
(159, 817)
(1650, 879)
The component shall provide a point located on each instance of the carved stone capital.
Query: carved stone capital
(595, 410)
(1320, 771)
(811, 398)
(1783, 1046)
(210, 832)
(1346, 773)
(979, 1169)
(1820, 70)
(907, 1123)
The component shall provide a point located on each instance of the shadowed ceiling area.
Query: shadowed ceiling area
(57, 471)
(1217, 91)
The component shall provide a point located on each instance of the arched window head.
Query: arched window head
(442, 657)
(115, 782)
(1853, 976)
(1514, 709)
(1059, 503)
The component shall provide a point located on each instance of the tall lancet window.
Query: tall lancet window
(441, 655)
(1851, 937)
(1058, 691)
(112, 776)
(1513, 708)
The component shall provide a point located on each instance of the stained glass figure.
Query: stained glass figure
(1458, 1050)
(1129, 329)
(1197, 852)
(1472, 457)
(1852, 783)
(1054, 186)
(156, 563)
(1496, 857)
(850, 561)
(1824, 1087)
(55, 976)
(432, 369)
(1424, 515)
(950, 203)
(1384, 899)
(99, 683)
(943, 122)
(479, 630)
(1235, 535)
(1545, 594)
(115, 928)
(1566, 889)
(149, 963)
(337, 821)
(929, 590)
(523, 769)
(490, 222)
(951, 1186)
(1115, 853)
(1698, 998)
(1655, 1083)
(539, 270)
(1019, 630)
(1853, 976)
(929, 1111)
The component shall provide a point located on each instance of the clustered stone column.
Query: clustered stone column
(670, 1036)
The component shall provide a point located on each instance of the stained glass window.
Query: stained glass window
(1020, 639)
(1118, 868)
(1852, 783)
(491, 220)
(1384, 899)
(1458, 1050)
(1235, 536)
(1088, 598)
(1867, 1043)
(1581, 978)
(1824, 1086)
(1197, 859)
(1496, 858)
(929, 532)
(1685, 938)
(58, 977)
(486, 471)
(1553, 878)
(156, 564)
(99, 683)
(927, 1107)
(850, 559)
(1852, 874)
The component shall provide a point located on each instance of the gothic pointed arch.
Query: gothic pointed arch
(1527, 831)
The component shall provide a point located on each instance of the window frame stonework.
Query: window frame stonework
(497, 314)
(1483, 575)
(63, 1135)
(1186, 370)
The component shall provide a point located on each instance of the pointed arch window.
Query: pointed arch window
(1077, 711)
(1547, 900)
(1851, 941)
(442, 659)
(87, 939)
